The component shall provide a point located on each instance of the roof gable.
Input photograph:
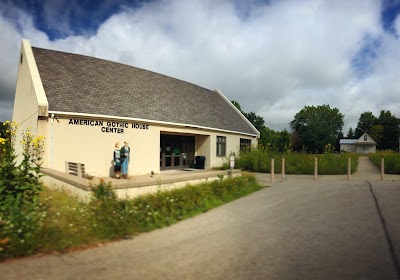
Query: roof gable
(86, 85)
(364, 139)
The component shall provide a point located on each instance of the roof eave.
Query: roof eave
(240, 113)
(60, 113)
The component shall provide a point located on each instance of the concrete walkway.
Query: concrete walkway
(366, 170)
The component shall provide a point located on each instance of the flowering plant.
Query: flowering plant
(20, 212)
(19, 182)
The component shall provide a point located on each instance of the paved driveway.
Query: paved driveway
(297, 229)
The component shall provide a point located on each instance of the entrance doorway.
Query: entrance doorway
(176, 151)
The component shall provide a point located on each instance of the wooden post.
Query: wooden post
(272, 170)
(349, 169)
(283, 168)
(316, 168)
(382, 168)
(231, 165)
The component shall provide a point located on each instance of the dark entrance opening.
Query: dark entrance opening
(176, 151)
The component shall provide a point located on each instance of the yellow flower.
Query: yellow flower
(7, 131)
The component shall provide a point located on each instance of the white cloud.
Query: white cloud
(273, 59)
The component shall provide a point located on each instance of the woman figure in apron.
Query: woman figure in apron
(117, 161)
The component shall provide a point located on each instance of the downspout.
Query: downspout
(51, 140)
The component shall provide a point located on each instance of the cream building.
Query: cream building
(84, 105)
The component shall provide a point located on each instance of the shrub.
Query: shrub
(329, 163)
(66, 224)
(58, 221)
(20, 227)
(21, 217)
(20, 182)
(110, 217)
(392, 162)
(167, 207)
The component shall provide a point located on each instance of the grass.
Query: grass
(295, 163)
(392, 161)
(64, 222)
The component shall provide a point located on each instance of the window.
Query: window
(221, 146)
(365, 138)
(245, 145)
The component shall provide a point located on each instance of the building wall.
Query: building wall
(203, 148)
(354, 148)
(74, 140)
(366, 149)
(93, 146)
(30, 101)
(347, 148)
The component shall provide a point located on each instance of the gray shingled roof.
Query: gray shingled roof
(81, 84)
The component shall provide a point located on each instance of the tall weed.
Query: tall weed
(59, 221)
(258, 160)
(392, 162)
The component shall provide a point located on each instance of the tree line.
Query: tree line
(314, 128)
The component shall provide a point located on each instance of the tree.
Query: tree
(318, 126)
(376, 133)
(340, 136)
(237, 105)
(350, 134)
(365, 122)
(274, 140)
(284, 140)
(256, 120)
(391, 130)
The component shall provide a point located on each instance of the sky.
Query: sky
(273, 57)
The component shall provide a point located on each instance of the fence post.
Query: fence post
(349, 169)
(283, 168)
(382, 168)
(315, 168)
(272, 170)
